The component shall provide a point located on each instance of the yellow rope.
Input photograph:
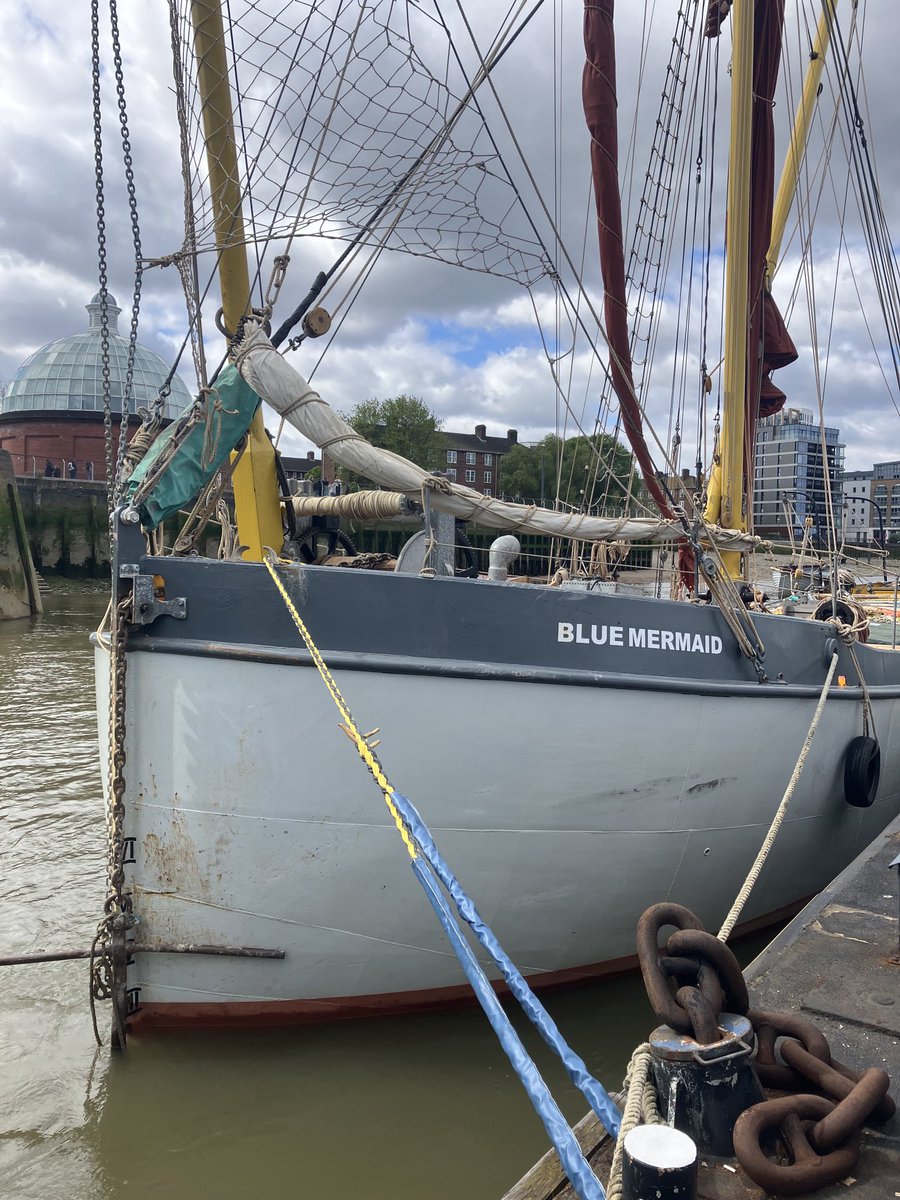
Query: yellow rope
(363, 746)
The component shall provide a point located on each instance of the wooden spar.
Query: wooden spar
(256, 503)
(727, 504)
(787, 188)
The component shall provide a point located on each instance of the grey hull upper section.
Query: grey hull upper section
(372, 620)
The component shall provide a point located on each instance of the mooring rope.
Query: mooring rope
(731, 920)
(640, 1108)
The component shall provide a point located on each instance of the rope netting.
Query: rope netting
(342, 112)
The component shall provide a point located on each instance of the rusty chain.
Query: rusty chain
(707, 976)
(809, 1169)
(808, 1060)
(117, 907)
(695, 977)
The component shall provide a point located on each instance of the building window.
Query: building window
(451, 474)
(470, 476)
(489, 460)
(488, 477)
(487, 491)
(451, 456)
(471, 458)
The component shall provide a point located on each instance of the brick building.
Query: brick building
(52, 414)
(474, 459)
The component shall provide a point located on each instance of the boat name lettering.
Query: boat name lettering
(644, 639)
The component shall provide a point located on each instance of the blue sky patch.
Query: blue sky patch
(471, 346)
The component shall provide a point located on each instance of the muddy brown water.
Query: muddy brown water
(423, 1107)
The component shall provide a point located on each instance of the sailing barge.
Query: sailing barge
(576, 754)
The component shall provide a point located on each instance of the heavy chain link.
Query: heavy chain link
(820, 1132)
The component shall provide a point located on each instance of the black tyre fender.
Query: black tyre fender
(862, 772)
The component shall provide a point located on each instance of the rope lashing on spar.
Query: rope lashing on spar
(432, 871)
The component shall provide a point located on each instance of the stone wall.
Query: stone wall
(19, 595)
(67, 524)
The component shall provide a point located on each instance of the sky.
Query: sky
(465, 342)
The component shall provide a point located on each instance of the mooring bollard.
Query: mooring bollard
(704, 1089)
(659, 1163)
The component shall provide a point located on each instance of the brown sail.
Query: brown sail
(769, 345)
(598, 91)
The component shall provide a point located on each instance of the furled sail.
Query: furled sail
(598, 90)
(769, 345)
(285, 389)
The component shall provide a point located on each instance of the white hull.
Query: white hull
(564, 810)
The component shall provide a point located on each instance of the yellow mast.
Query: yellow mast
(726, 504)
(256, 504)
(802, 121)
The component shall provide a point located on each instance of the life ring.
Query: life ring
(862, 772)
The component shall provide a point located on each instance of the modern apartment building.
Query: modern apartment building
(886, 494)
(861, 526)
(791, 477)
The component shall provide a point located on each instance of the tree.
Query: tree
(579, 470)
(403, 424)
(520, 473)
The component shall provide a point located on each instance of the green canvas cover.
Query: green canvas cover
(232, 406)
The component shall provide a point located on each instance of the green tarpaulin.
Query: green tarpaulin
(231, 405)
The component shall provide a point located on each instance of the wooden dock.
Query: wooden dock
(838, 965)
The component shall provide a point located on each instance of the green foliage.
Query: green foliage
(313, 473)
(403, 424)
(578, 470)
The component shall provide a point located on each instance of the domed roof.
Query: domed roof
(68, 374)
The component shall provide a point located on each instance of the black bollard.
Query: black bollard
(704, 1089)
(658, 1163)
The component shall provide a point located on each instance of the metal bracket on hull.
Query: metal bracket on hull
(129, 546)
(147, 607)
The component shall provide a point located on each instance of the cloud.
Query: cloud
(464, 341)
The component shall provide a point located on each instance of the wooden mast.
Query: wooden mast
(256, 502)
(727, 503)
(802, 121)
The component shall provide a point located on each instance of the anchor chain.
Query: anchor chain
(107, 970)
(690, 982)
(706, 974)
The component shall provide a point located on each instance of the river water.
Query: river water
(401, 1108)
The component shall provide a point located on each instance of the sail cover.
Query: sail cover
(598, 89)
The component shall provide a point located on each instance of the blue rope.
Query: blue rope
(582, 1178)
(592, 1090)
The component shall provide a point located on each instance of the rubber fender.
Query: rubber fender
(862, 772)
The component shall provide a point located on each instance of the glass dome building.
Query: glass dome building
(67, 375)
